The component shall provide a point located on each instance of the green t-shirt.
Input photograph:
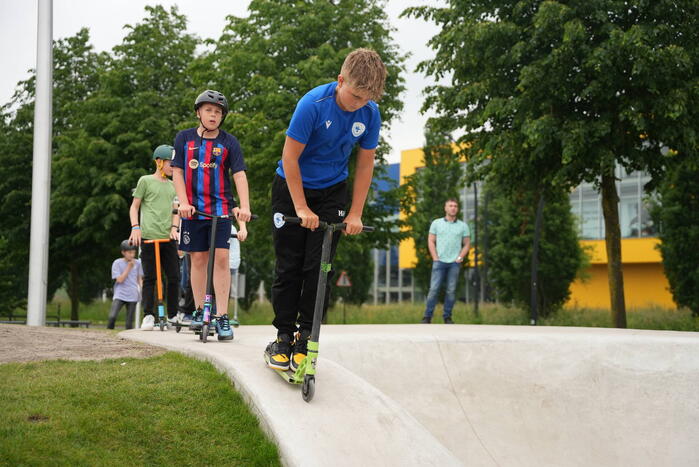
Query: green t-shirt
(157, 198)
(449, 238)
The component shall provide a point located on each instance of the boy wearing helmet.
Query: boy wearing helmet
(127, 274)
(155, 198)
(204, 158)
(311, 183)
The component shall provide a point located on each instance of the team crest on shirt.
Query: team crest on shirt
(193, 164)
(216, 151)
(357, 129)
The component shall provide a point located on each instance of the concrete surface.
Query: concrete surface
(472, 395)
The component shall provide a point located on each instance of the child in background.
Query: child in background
(127, 275)
(154, 200)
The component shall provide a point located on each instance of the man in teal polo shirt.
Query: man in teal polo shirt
(448, 242)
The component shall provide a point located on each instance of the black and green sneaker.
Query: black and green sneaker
(278, 352)
(300, 348)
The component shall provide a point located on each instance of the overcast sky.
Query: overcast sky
(106, 19)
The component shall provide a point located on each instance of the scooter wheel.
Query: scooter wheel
(162, 325)
(204, 332)
(309, 388)
(178, 329)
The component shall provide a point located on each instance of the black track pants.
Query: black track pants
(170, 267)
(298, 253)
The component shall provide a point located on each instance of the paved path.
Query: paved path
(472, 395)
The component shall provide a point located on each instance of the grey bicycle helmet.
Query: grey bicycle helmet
(126, 246)
(212, 97)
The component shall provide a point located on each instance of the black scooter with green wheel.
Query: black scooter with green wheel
(206, 329)
(306, 372)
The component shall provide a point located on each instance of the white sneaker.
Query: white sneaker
(184, 319)
(148, 323)
(174, 320)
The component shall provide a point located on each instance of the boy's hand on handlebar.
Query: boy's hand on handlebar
(242, 214)
(173, 234)
(353, 225)
(242, 234)
(135, 237)
(309, 219)
(186, 210)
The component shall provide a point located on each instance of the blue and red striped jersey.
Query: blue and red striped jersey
(206, 164)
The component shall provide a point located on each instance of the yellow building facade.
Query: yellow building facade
(645, 283)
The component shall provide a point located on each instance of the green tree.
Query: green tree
(424, 194)
(110, 111)
(265, 63)
(678, 216)
(74, 79)
(565, 91)
(15, 193)
(511, 219)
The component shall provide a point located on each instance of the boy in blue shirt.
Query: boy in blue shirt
(311, 183)
(204, 158)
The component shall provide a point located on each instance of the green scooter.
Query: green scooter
(306, 371)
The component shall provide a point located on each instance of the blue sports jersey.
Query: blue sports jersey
(329, 134)
(206, 163)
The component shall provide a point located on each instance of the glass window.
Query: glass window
(381, 279)
(590, 212)
(628, 217)
(407, 277)
(647, 227)
(575, 207)
(394, 266)
(629, 198)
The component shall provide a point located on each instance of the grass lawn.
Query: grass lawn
(401, 313)
(126, 412)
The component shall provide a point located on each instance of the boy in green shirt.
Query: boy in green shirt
(155, 198)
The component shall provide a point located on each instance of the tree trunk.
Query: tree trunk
(74, 291)
(610, 208)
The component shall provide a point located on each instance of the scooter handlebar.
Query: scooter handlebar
(199, 213)
(324, 225)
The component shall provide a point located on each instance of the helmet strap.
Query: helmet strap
(159, 164)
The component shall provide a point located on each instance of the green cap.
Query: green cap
(164, 151)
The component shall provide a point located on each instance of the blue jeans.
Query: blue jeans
(440, 272)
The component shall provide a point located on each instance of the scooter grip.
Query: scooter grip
(368, 228)
(292, 220)
(252, 216)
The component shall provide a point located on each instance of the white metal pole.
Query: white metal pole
(41, 170)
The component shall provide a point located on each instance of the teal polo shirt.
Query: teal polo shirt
(449, 238)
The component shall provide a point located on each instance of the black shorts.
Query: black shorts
(195, 235)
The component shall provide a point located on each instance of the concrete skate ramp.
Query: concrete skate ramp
(475, 395)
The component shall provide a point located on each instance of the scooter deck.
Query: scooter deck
(287, 375)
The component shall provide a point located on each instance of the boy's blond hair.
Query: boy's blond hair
(364, 70)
